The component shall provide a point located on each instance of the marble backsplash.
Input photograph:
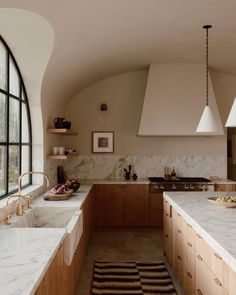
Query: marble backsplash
(110, 167)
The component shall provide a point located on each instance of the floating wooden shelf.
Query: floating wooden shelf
(61, 157)
(61, 131)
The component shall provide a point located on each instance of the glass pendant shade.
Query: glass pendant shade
(208, 122)
(231, 121)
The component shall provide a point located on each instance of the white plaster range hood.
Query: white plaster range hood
(174, 100)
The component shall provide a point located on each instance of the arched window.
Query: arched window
(15, 124)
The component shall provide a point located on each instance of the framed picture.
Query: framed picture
(102, 141)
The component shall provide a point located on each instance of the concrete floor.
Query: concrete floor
(122, 245)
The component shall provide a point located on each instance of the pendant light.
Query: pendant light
(231, 121)
(208, 123)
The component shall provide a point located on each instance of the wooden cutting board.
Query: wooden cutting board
(49, 196)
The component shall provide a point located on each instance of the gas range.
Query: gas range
(160, 184)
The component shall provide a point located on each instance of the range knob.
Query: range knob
(156, 187)
(173, 186)
(192, 187)
(162, 186)
(186, 186)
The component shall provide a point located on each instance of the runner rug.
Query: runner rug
(125, 278)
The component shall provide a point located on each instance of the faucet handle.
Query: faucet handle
(29, 199)
(7, 219)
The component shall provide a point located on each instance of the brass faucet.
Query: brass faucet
(30, 173)
(19, 208)
(19, 196)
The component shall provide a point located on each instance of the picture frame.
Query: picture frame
(103, 142)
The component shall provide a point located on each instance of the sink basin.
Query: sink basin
(70, 218)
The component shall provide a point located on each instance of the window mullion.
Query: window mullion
(8, 122)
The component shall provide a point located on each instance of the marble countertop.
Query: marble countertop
(215, 223)
(24, 258)
(25, 254)
(115, 181)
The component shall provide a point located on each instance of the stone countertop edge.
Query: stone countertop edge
(28, 270)
(213, 243)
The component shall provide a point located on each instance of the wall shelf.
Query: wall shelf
(61, 131)
(61, 157)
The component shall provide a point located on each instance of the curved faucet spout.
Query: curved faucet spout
(31, 173)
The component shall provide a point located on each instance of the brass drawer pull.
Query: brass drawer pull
(199, 292)
(199, 257)
(199, 236)
(178, 214)
(188, 225)
(179, 231)
(189, 275)
(189, 244)
(179, 257)
(217, 282)
(217, 256)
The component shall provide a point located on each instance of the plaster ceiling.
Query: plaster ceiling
(96, 39)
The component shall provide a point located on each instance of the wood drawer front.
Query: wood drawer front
(202, 276)
(156, 201)
(225, 187)
(203, 249)
(215, 286)
(220, 269)
(190, 235)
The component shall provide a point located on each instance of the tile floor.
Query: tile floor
(121, 245)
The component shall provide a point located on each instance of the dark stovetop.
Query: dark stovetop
(179, 179)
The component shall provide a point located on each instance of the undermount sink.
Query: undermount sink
(70, 218)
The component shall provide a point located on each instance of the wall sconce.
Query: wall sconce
(103, 107)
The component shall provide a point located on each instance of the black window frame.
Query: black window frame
(23, 99)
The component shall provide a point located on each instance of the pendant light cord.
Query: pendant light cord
(207, 27)
(207, 78)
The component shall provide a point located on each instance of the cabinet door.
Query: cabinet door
(108, 200)
(168, 238)
(189, 268)
(53, 281)
(225, 187)
(156, 209)
(135, 205)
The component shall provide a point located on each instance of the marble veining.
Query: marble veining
(216, 224)
(111, 167)
(24, 257)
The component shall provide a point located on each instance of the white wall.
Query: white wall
(124, 96)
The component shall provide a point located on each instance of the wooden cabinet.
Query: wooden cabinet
(168, 235)
(123, 205)
(134, 207)
(224, 187)
(53, 281)
(155, 209)
(200, 270)
(108, 202)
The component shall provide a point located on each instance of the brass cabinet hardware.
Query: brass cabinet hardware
(199, 257)
(217, 256)
(178, 214)
(189, 275)
(199, 236)
(217, 282)
(199, 292)
(189, 244)
(188, 225)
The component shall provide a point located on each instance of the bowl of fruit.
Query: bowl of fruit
(226, 201)
(73, 184)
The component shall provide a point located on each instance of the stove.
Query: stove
(160, 184)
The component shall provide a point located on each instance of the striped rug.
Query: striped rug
(131, 278)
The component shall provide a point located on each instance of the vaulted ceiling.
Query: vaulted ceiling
(95, 39)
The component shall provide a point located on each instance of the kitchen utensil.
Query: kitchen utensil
(61, 151)
(67, 124)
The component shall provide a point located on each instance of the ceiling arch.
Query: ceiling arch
(97, 39)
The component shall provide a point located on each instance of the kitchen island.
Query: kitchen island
(200, 242)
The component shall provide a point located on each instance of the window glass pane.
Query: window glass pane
(23, 95)
(3, 62)
(25, 164)
(2, 170)
(13, 167)
(14, 80)
(2, 117)
(14, 126)
(25, 125)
